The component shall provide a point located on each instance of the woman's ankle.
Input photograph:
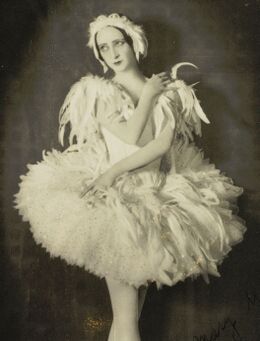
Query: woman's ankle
(123, 332)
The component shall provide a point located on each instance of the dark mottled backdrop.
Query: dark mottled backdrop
(42, 53)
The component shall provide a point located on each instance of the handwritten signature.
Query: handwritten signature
(253, 301)
(216, 332)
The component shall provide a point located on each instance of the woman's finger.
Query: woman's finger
(166, 82)
(86, 190)
(161, 74)
(164, 77)
(99, 192)
(100, 189)
(83, 193)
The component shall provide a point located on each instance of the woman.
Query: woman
(131, 199)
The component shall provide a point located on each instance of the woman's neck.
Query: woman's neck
(133, 82)
(133, 76)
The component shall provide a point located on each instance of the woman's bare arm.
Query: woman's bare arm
(131, 130)
(150, 152)
(145, 155)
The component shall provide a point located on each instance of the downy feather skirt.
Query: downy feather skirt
(150, 226)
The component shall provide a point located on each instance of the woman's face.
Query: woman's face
(115, 51)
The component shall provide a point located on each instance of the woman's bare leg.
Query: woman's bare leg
(124, 300)
(141, 296)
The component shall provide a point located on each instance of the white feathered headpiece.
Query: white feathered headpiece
(135, 32)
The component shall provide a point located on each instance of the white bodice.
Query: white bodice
(118, 149)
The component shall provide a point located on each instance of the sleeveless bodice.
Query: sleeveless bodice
(118, 149)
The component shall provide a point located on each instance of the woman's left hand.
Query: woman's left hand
(103, 182)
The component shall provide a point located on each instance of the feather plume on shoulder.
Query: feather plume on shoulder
(89, 94)
(180, 104)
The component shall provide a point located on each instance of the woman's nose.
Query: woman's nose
(114, 52)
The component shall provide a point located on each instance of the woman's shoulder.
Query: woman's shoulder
(85, 99)
(93, 89)
(93, 82)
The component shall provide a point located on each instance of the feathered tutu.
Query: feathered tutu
(151, 225)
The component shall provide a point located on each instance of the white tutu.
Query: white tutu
(150, 225)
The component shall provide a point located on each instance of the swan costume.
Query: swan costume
(171, 219)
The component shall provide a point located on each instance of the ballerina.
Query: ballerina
(131, 199)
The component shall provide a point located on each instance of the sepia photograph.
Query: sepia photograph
(130, 170)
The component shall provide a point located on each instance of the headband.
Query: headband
(135, 32)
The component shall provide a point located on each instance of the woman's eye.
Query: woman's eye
(103, 48)
(120, 42)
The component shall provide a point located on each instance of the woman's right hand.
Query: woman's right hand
(156, 84)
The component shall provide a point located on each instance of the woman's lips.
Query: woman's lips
(118, 62)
